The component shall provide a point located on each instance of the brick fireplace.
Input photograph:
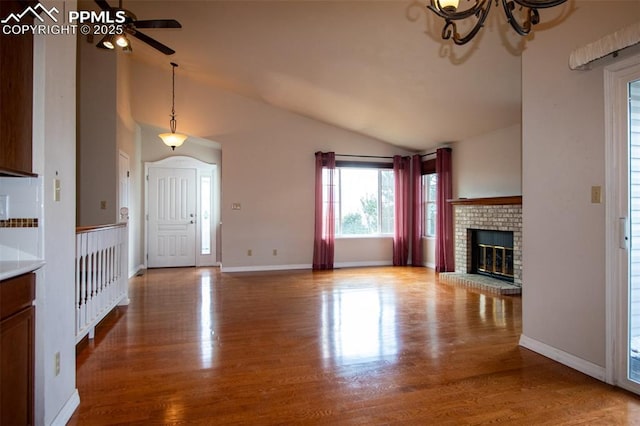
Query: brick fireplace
(494, 214)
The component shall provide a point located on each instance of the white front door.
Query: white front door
(172, 217)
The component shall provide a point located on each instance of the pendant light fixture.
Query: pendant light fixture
(479, 10)
(173, 139)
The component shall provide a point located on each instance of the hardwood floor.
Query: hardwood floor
(354, 346)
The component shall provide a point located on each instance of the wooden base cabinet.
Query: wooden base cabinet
(17, 342)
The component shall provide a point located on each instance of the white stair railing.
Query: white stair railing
(101, 274)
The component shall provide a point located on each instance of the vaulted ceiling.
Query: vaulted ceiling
(378, 68)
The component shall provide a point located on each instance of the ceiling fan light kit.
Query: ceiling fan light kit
(106, 42)
(122, 40)
(449, 11)
(173, 139)
(132, 27)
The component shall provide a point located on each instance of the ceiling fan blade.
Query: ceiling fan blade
(103, 4)
(151, 42)
(157, 23)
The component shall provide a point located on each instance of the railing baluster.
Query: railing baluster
(101, 279)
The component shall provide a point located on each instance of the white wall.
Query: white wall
(54, 147)
(563, 156)
(268, 167)
(488, 165)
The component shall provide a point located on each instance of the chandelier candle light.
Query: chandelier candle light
(173, 139)
(449, 11)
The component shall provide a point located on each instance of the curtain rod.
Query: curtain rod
(378, 156)
(363, 156)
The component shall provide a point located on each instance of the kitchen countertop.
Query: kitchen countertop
(13, 268)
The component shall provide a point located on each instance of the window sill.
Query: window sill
(362, 237)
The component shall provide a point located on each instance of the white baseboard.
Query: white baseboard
(64, 415)
(135, 270)
(363, 264)
(263, 268)
(430, 265)
(584, 366)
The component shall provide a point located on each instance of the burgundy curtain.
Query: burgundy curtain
(417, 219)
(444, 220)
(401, 236)
(324, 234)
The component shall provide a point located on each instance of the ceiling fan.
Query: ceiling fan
(131, 26)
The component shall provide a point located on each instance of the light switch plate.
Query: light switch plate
(596, 194)
(4, 207)
(56, 189)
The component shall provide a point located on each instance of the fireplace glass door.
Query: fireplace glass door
(492, 253)
(495, 260)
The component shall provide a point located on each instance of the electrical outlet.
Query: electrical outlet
(103, 205)
(249, 252)
(275, 252)
(4, 207)
(236, 206)
(57, 363)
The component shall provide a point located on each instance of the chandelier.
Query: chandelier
(448, 10)
(173, 139)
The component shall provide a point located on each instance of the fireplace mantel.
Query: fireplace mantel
(489, 201)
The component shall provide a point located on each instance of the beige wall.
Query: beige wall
(488, 165)
(363, 251)
(429, 252)
(106, 127)
(563, 156)
(128, 141)
(267, 167)
(153, 149)
(97, 132)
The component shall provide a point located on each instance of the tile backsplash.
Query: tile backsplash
(21, 222)
(21, 233)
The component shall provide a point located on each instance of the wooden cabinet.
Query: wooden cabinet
(17, 343)
(16, 95)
